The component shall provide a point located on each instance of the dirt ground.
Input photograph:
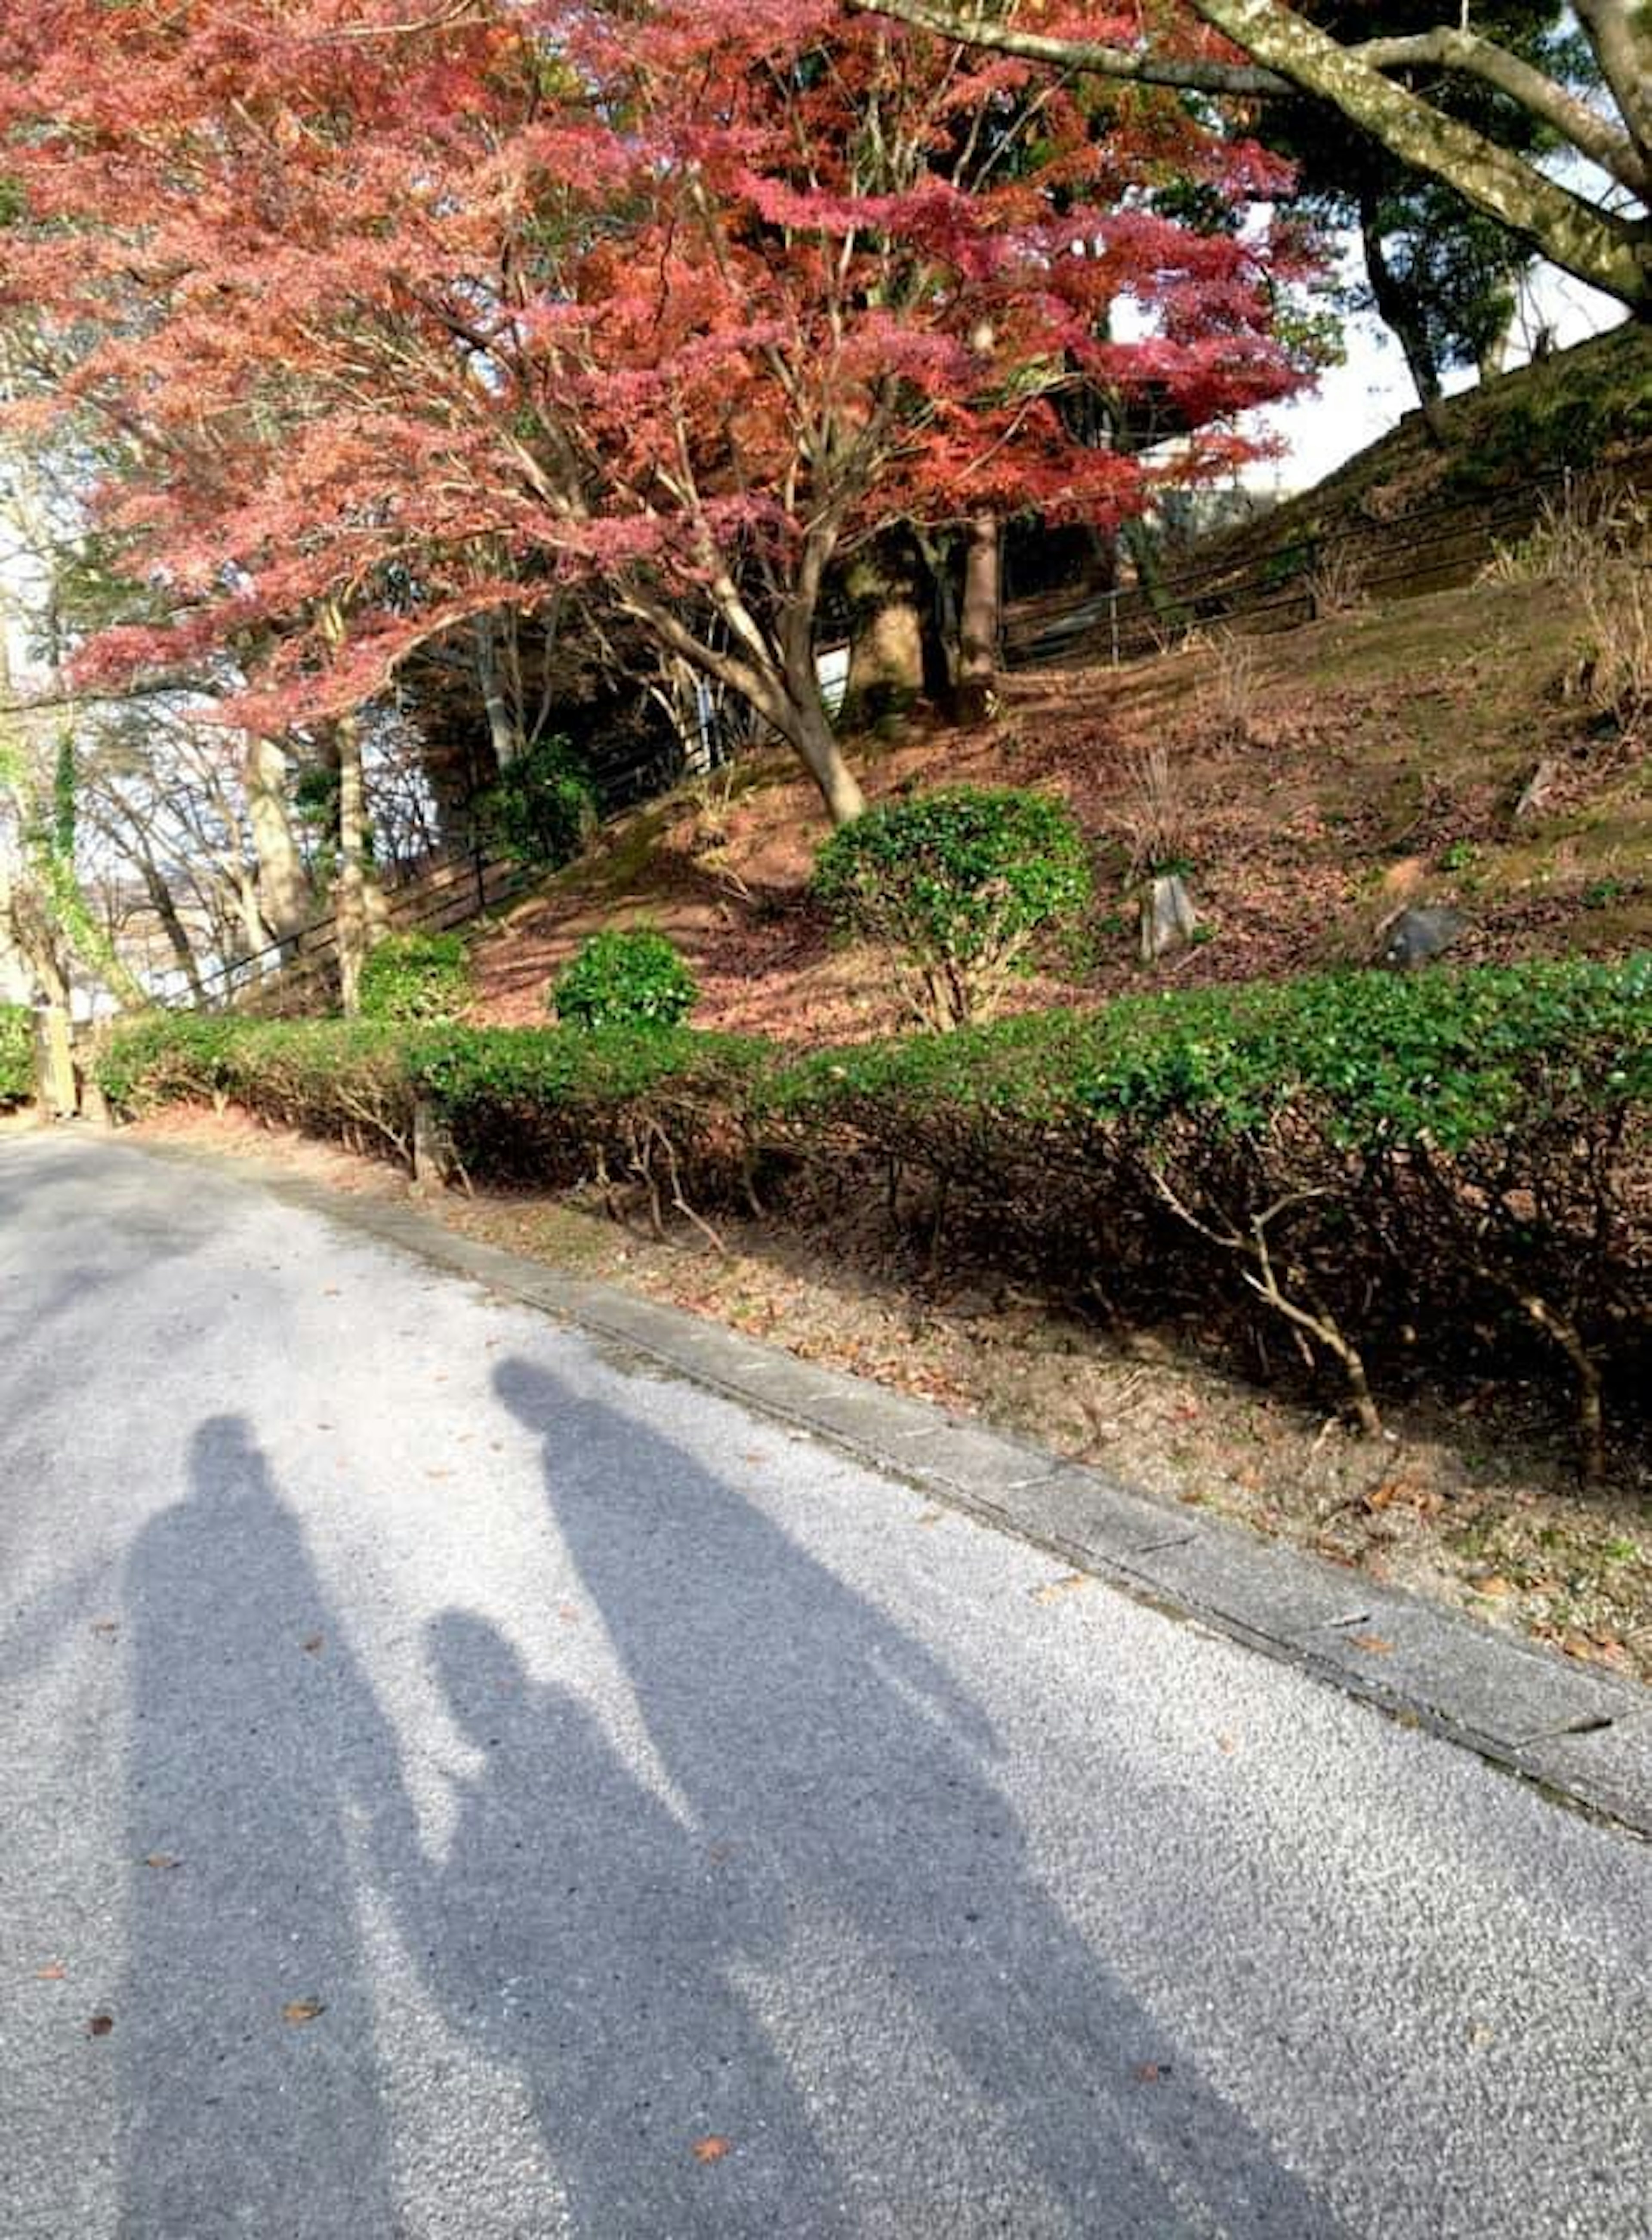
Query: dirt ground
(1313, 782)
(1475, 1506)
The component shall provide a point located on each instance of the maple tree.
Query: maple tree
(405, 323)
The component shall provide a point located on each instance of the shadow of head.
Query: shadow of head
(225, 1458)
(478, 1671)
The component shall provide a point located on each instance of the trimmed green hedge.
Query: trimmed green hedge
(1452, 1166)
(16, 1054)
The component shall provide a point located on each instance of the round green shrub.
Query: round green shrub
(16, 1054)
(416, 975)
(958, 883)
(542, 809)
(634, 979)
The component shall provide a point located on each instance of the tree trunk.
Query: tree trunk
(802, 722)
(1399, 313)
(352, 913)
(505, 728)
(886, 662)
(172, 925)
(284, 900)
(978, 620)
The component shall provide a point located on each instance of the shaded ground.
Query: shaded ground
(1315, 783)
(1475, 1506)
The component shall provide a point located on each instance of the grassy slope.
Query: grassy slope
(1323, 777)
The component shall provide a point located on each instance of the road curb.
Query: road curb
(1583, 1736)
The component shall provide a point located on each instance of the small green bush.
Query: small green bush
(958, 884)
(1446, 1171)
(416, 975)
(542, 809)
(635, 979)
(16, 1054)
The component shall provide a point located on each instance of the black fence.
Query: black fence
(444, 888)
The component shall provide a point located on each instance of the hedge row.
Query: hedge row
(1387, 1171)
(16, 1054)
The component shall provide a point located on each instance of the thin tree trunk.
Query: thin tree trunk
(804, 726)
(285, 899)
(978, 620)
(172, 925)
(1399, 313)
(504, 728)
(351, 901)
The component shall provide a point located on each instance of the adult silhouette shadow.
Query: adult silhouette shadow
(573, 1930)
(257, 1747)
(973, 2063)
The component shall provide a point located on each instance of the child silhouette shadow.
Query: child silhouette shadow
(576, 1930)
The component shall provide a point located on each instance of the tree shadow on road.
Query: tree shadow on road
(256, 1754)
(842, 1888)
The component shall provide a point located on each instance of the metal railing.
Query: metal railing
(1281, 589)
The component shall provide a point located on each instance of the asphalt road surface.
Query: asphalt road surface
(455, 1783)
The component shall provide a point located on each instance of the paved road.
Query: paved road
(489, 1792)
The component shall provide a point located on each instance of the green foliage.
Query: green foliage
(16, 1054)
(635, 979)
(957, 884)
(416, 975)
(542, 811)
(1463, 1153)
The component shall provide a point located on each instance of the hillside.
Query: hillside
(1588, 409)
(1411, 513)
(1320, 778)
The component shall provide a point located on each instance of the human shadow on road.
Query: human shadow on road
(250, 2097)
(975, 2066)
(573, 1930)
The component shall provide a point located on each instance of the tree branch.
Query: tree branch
(1288, 55)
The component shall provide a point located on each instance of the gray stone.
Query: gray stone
(1416, 936)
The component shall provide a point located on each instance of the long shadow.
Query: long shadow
(986, 2068)
(254, 1745)
(577, 1934)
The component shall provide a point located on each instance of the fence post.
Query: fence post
(1112, 616)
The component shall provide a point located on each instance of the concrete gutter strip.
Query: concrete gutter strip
(1584, 1735)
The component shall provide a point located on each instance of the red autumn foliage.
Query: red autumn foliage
(400, 315)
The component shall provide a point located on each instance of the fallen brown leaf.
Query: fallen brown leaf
(100, 2025)
(163, 1861)
(1151, 2072)
(1053, 1590)
(711, 2150)
(53, 1972)
(303, 2011)
(1373, 1643)
(312, 1642)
